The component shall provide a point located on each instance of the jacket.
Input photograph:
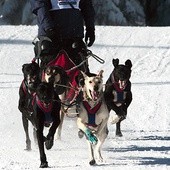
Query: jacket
(69, 22)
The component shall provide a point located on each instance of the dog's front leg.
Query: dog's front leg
(81, 125)
(43, 159)
(102, 126)
(90, 136)
(91, 154)
(25, 125)
(101, 134)
(50, 137)
(56, 117)
(98, 149)
(39, 125)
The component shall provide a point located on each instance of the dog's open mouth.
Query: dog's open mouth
(94, 95)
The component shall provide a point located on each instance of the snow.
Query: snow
(145, 144)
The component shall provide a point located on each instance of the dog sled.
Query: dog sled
(64, 74)
(68, 86)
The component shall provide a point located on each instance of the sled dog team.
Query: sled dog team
(43, 101)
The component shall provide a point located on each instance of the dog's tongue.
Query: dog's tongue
(95, 95)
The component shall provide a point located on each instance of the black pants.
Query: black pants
(76, 50)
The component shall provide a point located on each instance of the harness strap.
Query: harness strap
(42, 107)
(46, 110)
(24, 87)
(119, 96)
(91, 112)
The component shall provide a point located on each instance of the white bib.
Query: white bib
(64, 4)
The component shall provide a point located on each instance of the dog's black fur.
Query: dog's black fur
(120, 74)
(45, 95)
(26, 91)
(31, 93)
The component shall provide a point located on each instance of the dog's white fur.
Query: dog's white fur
(101, 117)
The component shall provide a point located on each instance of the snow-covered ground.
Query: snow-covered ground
(146, 141)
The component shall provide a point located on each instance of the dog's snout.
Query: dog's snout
(96, 88)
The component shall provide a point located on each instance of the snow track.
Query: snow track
(146, 141)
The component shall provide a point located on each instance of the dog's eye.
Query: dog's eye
(48, 73)
(90, 82)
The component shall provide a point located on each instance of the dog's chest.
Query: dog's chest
(119, 97)
(94, 114)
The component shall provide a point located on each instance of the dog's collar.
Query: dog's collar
(41, 105)
(92, 110)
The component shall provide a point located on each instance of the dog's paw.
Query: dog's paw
(92, 162)
(80, 134)
(49, 143)
(44, 165)
(119, 134)
(114, 119)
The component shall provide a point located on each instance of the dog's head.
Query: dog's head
(57, 77)
(45, 93)
(93, 85)
(121, 73)
(52, 74)
(31, 74)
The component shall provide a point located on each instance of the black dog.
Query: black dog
(26, 91)
(46, 112)
(118, 93)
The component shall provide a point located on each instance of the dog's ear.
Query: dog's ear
(36, 65)
(115, 62)
(101, 73)
(128, 63)
(23, 67)
(48, 70)
(80, 80)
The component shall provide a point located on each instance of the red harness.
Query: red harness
(42, 107)
(91, 112)
(24, 87)
(46, 110)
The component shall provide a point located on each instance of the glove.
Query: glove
(90, 36)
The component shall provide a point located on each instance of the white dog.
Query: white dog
(93, 115)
